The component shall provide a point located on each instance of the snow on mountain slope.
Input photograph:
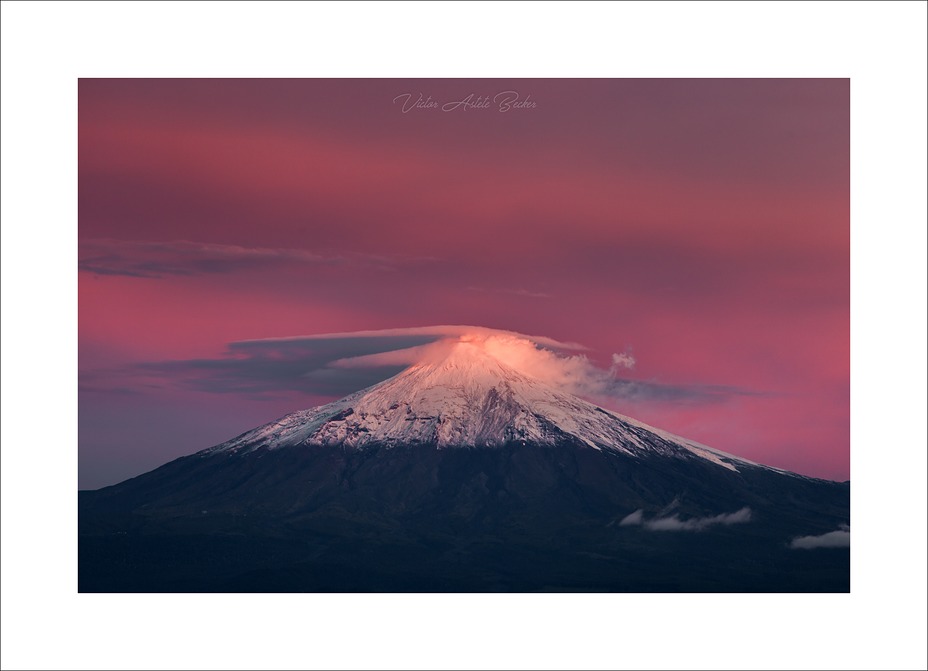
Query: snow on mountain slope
(468, 397)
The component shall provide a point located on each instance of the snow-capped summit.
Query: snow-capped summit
(469, 393)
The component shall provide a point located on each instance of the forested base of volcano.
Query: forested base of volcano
(417, 519)
(318, 563)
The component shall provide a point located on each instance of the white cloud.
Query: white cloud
(674, 523)
(634, 519)
(833, 539)
(623, 360)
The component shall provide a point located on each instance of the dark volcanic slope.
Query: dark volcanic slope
(512, 517)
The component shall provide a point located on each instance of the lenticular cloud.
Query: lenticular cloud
(543, 358)
(335, 364)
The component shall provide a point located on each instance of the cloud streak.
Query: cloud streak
(632, 520)
(693, 524)
(833, 539)
(521, 292)
(160, 259)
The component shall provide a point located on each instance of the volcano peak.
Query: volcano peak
(470, 392)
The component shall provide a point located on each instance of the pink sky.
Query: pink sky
(701, 225)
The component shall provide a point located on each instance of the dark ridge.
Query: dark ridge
(416, 518)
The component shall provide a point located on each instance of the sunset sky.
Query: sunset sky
(698, 227)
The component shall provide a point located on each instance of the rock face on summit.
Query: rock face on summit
(462, 473)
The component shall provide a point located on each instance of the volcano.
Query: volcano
(465, 472)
